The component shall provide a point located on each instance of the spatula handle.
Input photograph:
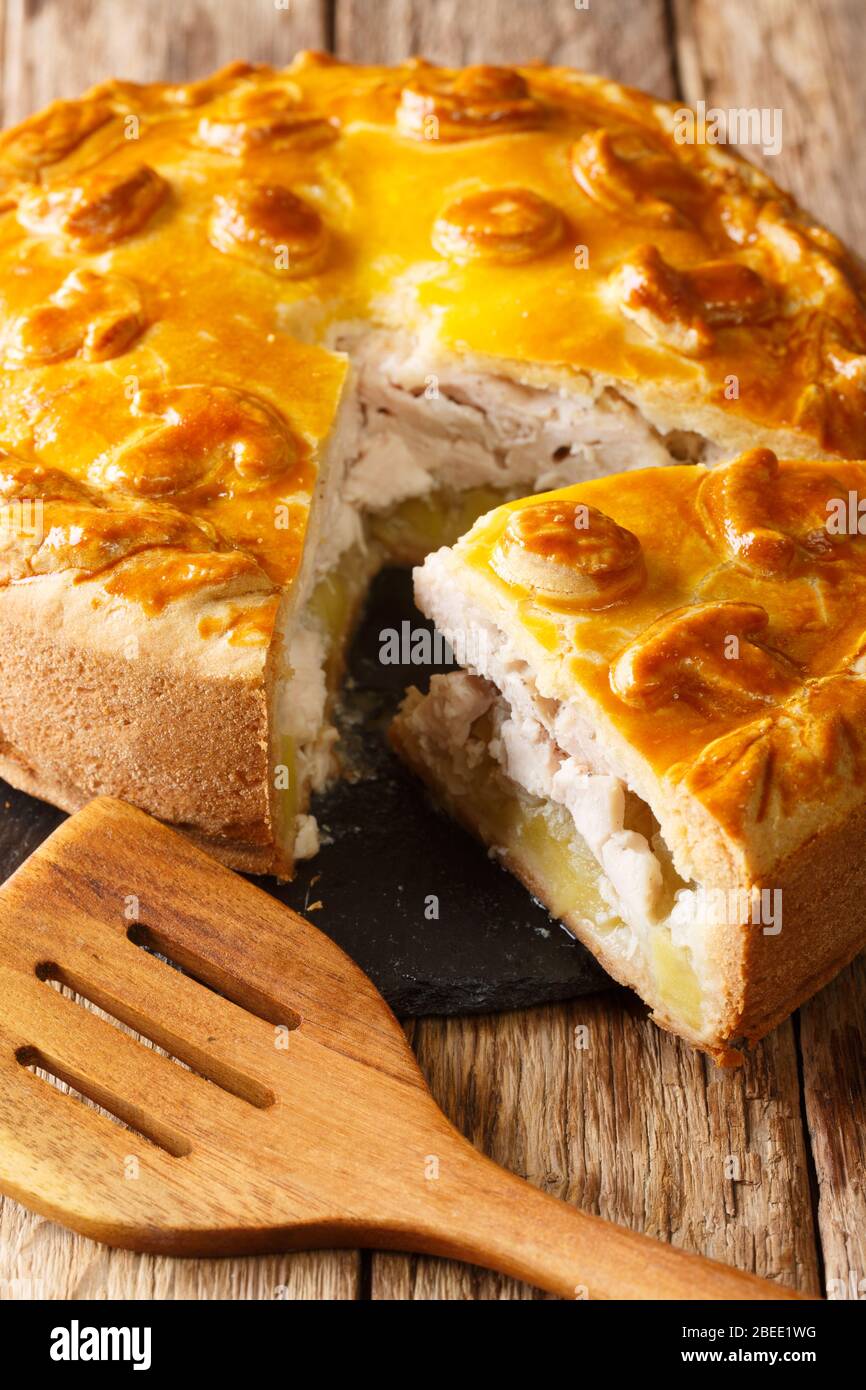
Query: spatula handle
(487, 1216)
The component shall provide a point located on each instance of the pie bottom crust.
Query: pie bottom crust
(188, 747)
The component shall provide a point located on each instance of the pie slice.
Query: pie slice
(660, 725)
(263, 333)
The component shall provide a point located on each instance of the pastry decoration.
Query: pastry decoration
(503, 226)
(270, 226)
(707, 655)
(203, 433)
(768, 520)
(467, 104)
(269, 118)
(565, 552)
(628, 176)
(97, 210)
(50, 135)
(90, 316)
(680, 308)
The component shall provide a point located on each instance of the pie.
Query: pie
(264, 332)
(661, 725)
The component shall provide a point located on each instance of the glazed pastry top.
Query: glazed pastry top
(172, 258)
(715, 617)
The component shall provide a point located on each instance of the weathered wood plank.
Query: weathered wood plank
(39, 1260)
(625, 1121)
(516, 1083)
(635, 1126)
(57, 48)
(806, 60)
(833, 1045)
(626, 41)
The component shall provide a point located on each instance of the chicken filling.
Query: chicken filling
(424, 448)
(580, 838)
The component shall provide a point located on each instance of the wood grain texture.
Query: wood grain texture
(318, 1131)
(638, 1164)
(58, 48)
(50, 49)
(627, 1122)
(627, 41)
(833, 1044)
(806, 60)
(635, 1127)
(40, 1260)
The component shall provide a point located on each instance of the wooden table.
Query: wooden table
(763, 1167)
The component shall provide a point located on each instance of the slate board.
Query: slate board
(386, 850)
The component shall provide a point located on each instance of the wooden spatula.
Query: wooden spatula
(300, 1118)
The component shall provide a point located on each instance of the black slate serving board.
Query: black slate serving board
(387, 853)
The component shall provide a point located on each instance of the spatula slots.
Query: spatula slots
(305, 1120)
(257, 1004)
(177, 1049)
(77, 1091)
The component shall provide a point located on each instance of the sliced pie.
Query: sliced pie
(261, 333)
(660, 725)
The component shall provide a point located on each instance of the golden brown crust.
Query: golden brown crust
(634, 972)
(761, 976)
(172, 234)
(136, 714)
(731, 681)
(823, 926)
(686, 241)
(727, 689)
